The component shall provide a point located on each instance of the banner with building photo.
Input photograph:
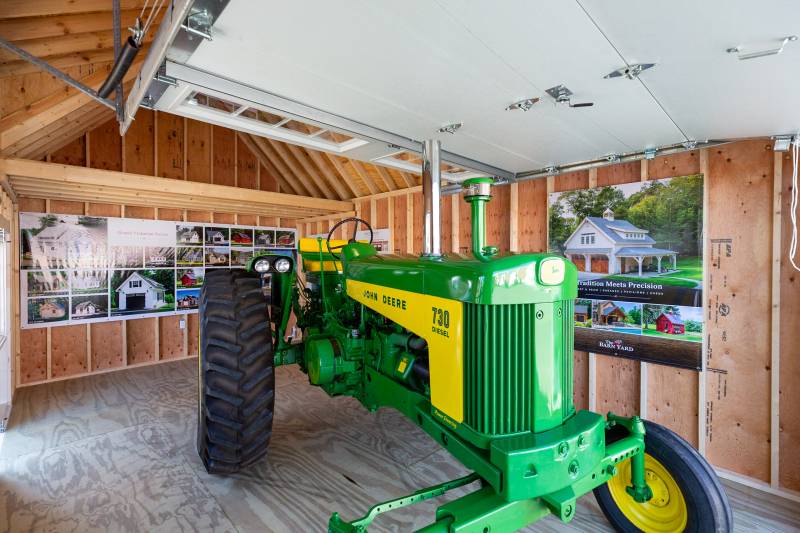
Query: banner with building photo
(78, 269)
(638, 248)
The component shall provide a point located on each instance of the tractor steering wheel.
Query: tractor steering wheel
(356, 222)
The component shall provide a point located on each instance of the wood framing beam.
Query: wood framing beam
(61, 62)
(345, 175)
(313, 174)
(325, 218)
(19, 29)
(75, 178)
(15, 128)
(44, 8)
(293, 181)
(64, 131)
(389, 194)
(409, 179)
(362, 172)
(323, 165)
(249, 141)
(387, 179)
(289, 161)
(63, 44)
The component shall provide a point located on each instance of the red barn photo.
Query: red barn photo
(669, 323)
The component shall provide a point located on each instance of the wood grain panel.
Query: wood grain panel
(64, 207)
(193, 334)
(68, 350)
(139, 144)
(73, 153)
(140, 339)
(738, 383)
(571, 181)
(464, 226)
(382, 212)
(165, 213)
(248, 220)
(198, 151)
(672, 400)
(247, 168)
(447, 217)
(617, 385)
(105, 147)
(580, 393)
(107, 345)
(224, 218)
(33, 355)
(497, 210)
(198, 216)
(137, 211)
(170, 145)
(32, 205)
(532, 222)
(170, 339)
(416, 223)
(266, 181)
(224, 163)
(399, 228)
(669, 166)
(104, 210)
(790, 349)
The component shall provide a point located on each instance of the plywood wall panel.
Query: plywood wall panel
(790, 349)
(399, 227)
(140, 336)
(418, 227)
(464, 226)
(73, 153)
(169, 137)
(224, 163)
(33, 355)
(170, 214)
(32, 205)
(672, 400)
(580, 393)
(617, 385)
(497, 227)
(447, 216)
(104, 210)
(198, 216)
(170, 338)
(267, 182)
(571, 181)
(139, 144)
(247, 168)
(248, 220)
(682, 164)
(532, 216)
(193, 335)
(107, 345)
(382, 214)
(105, 147)
(198, 151)
(64, 207)
(269, 221)
(618, 174)
(68, 350)
(738, 358)
(137, 211)
(224, 218)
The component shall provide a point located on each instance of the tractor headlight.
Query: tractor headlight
(283, 265)
(551, 271)
(261, 265)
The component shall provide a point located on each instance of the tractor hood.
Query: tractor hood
(511, 279)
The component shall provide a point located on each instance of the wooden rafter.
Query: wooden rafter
(23, 29)
(250, 142)
(311, 171)
(362, 172)
(287, 158)
(323, 164)
(387, 179)
(409, 179)
(295, 183)
(43, 8)
(344, 174)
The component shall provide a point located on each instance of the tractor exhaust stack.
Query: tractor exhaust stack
(432, 198)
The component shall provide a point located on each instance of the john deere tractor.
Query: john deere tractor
(477, 352)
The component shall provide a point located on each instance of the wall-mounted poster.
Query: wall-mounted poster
(85, 269)
(639, 253)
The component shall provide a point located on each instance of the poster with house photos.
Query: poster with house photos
(78, 269)
(638, 248)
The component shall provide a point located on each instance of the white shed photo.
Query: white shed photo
(139, 292)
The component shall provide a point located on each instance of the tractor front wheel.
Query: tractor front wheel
(687, 496)
(237, 381)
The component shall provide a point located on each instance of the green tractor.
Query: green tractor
(477, 352)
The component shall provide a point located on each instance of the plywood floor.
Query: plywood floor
(115, 452)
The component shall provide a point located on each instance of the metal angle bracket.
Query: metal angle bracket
(630, 72)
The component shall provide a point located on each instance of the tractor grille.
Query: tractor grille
(500, 350)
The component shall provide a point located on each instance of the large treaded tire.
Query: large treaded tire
(708, 509)
(236, 367)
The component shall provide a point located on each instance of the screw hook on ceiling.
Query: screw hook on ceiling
(562, 95)
(630, 72)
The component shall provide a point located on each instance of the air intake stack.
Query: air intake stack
(432, 199)
(477, 193)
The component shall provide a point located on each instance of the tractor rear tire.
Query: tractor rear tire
(236, 367)
(688, 496)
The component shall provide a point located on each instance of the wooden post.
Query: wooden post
(592, 356)
(513, 218)
(775, 364)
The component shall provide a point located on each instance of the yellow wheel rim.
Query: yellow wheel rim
(665, 512)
